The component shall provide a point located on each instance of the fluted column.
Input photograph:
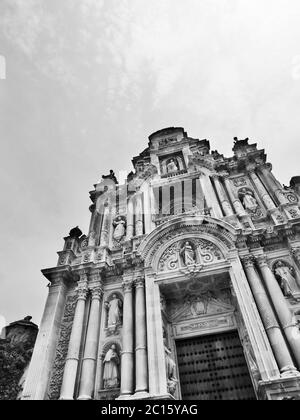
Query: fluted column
(280, 304)
(278, 344)
(263, 193)
(88, 370)
(104, 237)
(141, 363)
(130, 225)
(127, 343)
(273, 184)
(238, 207)
(139, 215)
(222, 197)
(71, 365)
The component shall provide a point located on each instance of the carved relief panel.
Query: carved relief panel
(190, 253)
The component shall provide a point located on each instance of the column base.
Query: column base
(125, 397)
(280, 389)
(289, 372)
(66, 399)
(141, 395)
(84, 398)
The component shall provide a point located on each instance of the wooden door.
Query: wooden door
(214, 368)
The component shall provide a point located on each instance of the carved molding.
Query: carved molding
(62, 348)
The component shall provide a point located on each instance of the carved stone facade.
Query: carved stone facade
(188, 277)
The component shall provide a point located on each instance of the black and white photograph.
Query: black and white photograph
(150, 203)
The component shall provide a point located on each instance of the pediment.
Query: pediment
(199, 305)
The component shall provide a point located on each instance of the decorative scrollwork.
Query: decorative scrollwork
(187, 254)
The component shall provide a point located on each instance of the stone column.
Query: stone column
(39, 372)
(210, 196)
(222, 197)
(273, 184)
(263, 193)
(278, 344)
(72, 360)
(280, 304)
(138, 214)
(155, 344)
(88, 370)
(141, 364)
(266, 363)
(147, 209)
(238, 206)
(130, 226)
(104, 237)
(127, 344)
(153, 207)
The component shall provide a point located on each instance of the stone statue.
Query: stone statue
(188, 254)
(286, 277)
(111, 176)
(171, 166)
(92, 239)
(114, 311)
(120, 228)
(170, 372)
(111, 375)
(248, 199)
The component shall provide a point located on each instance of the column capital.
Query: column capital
(215, 176)
(96, 292)
(295, 251)
(127, 286)
(82, 290)
(248, 261)
(226, 175)
(262, 261)
(139, 282)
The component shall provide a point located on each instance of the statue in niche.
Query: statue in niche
(188, 254)
(114, 309)
(119, 228)
(172, 166)
(287, 281)
(248, 199)
(170, 372)
(111, 374)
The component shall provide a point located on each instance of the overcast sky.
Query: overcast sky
(88, 80)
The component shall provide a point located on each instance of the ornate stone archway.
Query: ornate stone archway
(214, 245)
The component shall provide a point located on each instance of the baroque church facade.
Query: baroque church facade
(186, 286)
